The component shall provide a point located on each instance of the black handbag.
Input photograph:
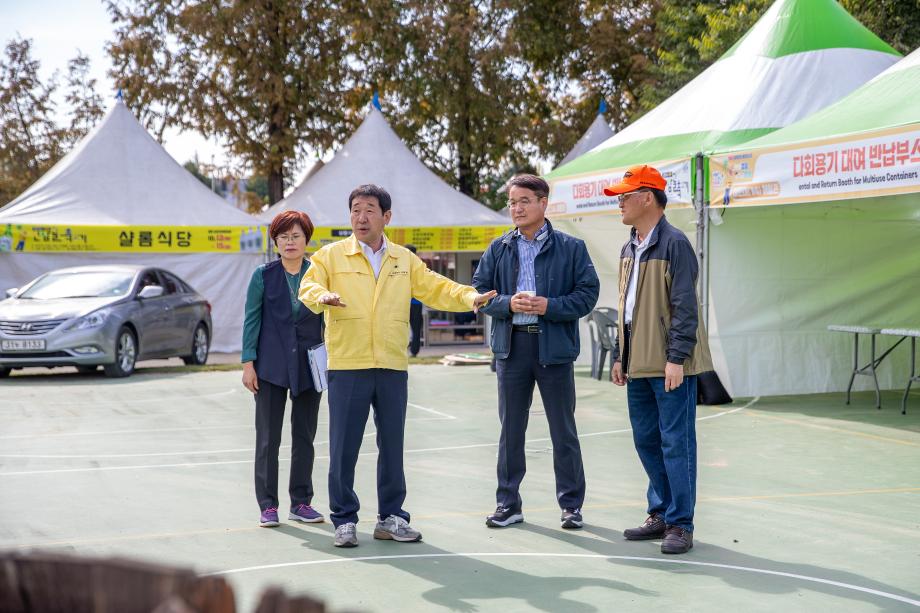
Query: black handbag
(709, 390)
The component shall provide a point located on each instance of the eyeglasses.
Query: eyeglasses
(288, 238)
(521, 203)
(622, 197)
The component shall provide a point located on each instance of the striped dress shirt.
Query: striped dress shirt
(527, 281)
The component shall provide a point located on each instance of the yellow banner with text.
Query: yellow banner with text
(34, 238)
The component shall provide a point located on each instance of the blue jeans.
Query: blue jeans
(664, 431)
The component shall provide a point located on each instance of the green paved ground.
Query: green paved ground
(804, 504)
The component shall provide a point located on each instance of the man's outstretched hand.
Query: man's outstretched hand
(331, 299)
(482, 299)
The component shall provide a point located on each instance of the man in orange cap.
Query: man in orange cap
(660, 349)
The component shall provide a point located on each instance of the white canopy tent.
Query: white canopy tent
(597, 133)
(375, 154)
(119, 182)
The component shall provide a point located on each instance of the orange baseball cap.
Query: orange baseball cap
(637, 177)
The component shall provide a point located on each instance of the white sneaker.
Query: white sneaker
(396, 528)
(346, 536)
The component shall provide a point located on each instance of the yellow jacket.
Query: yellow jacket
(372, 330)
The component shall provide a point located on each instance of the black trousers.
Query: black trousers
(351, 395)
(415, 324)
(517, 375)
(270, 401)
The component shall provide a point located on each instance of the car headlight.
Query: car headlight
(93, 320)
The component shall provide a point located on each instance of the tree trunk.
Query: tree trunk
(275, 186)
(276, 166)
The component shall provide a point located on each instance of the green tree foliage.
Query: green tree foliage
(86, 105)
(193, 167)
(583, 52)
(32, 138)
(690, 36)
(268, 79)
(451, 84)
(897, 22)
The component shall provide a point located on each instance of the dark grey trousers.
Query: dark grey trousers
(270, 401)
(517, 375)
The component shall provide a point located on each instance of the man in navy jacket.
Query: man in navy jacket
(545, 282)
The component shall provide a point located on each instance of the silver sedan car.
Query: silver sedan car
(111, 316)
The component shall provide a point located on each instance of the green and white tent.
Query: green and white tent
(801, 56)
(818, 224)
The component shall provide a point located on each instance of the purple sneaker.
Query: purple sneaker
(269, 518)
(306, 514)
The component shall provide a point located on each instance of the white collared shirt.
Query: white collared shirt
(632, 287)
(375, 257)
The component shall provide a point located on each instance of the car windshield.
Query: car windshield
(89, 284)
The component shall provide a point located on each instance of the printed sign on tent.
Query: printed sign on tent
(882, 163)
(469, 238)
(584, 194)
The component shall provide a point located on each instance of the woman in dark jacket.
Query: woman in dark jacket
(277, 332)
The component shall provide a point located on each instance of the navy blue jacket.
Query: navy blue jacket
(565, 276)
(283, 342)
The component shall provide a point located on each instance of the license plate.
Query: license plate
(22, 345)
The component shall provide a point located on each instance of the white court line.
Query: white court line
(424, 450)
(126, 402)
(151, 455)
(748, 569)
(432, 411)
(443, 417)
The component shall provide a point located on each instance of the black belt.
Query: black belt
(528, 328)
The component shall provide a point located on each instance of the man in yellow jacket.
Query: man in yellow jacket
(364, 284)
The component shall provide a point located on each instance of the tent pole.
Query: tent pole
(702, 237)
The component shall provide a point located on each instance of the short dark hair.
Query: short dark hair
(283, 222)
(382, 196)
(411, 247)
(531, 182)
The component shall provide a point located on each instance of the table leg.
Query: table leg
(855, 365)
(878, 392)
(913, 373)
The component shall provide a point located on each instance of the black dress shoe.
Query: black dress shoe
(676, 540)
(503, 516)
(653, 528)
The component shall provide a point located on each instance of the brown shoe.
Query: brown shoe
(653, 528)
(676, 540)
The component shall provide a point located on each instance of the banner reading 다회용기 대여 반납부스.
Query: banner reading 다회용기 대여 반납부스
(583, 194)
(882, 163)
(44, 238)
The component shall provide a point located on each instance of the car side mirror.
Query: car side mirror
(151, 291)
(11, 292)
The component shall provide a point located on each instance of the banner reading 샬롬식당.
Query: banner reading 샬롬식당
(882, 163)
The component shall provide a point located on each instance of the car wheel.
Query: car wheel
(200, 344)
(4, 372)
(86, 370)
(125, 355)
